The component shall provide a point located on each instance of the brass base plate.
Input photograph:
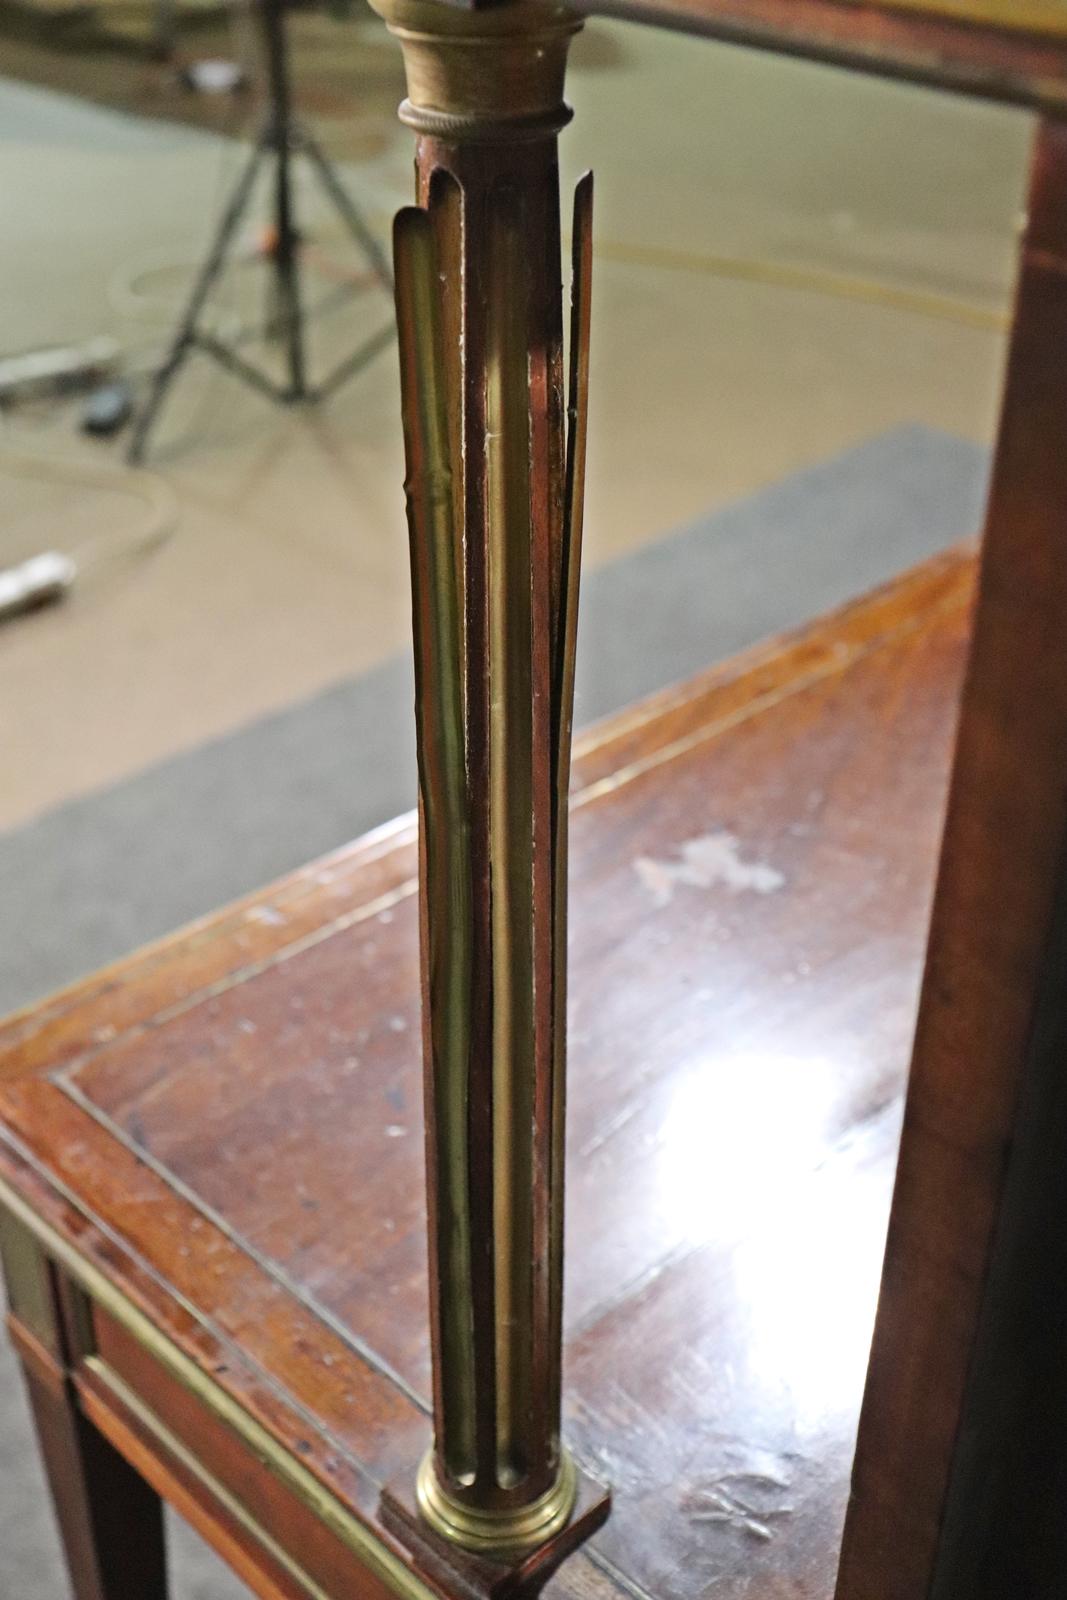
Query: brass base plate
(490, 1574)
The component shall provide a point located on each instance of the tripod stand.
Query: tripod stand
(281, 138)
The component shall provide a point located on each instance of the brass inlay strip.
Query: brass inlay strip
(225, 926)
(25, 1276)
(850, 656)
(354, 1534)
(266, 1264)
(169, 1442)
(213, 991)
(219, 1335)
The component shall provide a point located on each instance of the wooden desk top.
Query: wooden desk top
(1012, 50)
(226, 1129)
(1022, 16)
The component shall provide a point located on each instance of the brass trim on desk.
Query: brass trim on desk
(353, 1533)
(482, 1530)
(1014, 16)
(169, 1444)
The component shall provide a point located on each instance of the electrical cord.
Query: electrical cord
(161, 507)
(815, 280)
(162, 503)
(153, 491)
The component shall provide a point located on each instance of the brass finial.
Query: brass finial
(486, 75)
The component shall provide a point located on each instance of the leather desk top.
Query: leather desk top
(228, 1126)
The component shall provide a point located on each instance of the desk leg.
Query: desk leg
(110, 1521)
(960, 1477)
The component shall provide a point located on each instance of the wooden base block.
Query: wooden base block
(489, 1577)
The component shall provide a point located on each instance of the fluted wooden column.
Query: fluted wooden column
(494, 493)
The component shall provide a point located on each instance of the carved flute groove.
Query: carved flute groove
(495, 475)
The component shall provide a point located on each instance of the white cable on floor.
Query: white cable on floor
(155, 493)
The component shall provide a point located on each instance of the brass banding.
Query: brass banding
(504, 1529)
(365, 1544)
(452, 125)
(487, 74)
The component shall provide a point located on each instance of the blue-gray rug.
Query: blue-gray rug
(99, 876)
(103, 874)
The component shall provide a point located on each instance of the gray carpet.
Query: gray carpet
(99, 876)
(103, 874)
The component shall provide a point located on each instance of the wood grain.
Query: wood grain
(994, 50)
(963, 1449)
(752, 859)
(110, 1520)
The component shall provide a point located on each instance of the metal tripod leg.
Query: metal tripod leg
(349, 212)
(186, 335)
(287, 267)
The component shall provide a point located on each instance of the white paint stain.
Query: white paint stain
(710, 860)
(270, 916)
(743, 1500)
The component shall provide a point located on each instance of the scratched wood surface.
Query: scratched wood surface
(1011, 50)
(229, 1125)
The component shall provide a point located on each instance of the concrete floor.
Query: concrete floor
(790, 260)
